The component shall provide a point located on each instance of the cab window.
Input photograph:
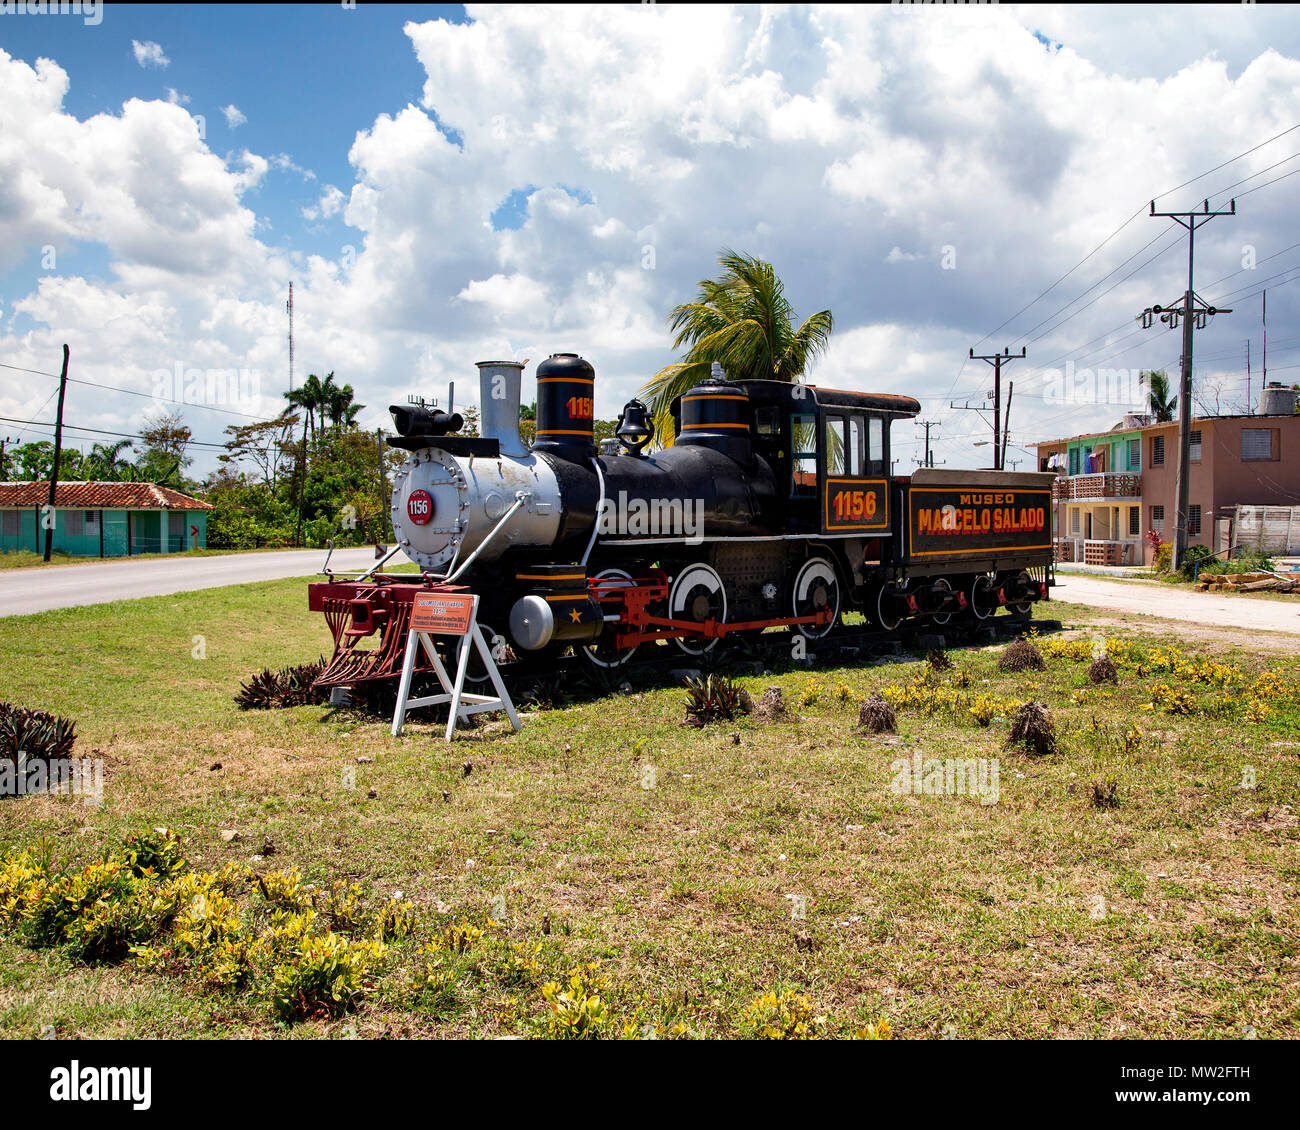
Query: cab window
(836, 449)
(803, 455)
(875, 462)
(857, 446)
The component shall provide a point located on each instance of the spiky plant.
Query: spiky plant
(938, 659)
(715, 697)
(1103, 670)
(35, 734)
(289, 686)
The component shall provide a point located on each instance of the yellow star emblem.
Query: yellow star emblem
(576, 616)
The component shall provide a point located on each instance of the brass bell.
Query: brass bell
(635, 431)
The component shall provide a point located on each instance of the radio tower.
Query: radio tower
(289, 307)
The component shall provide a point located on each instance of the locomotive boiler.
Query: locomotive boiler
(774, 509)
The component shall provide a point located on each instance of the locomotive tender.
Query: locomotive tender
(774, 508)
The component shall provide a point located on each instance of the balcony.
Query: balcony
(1097, 488)
(1100, 551)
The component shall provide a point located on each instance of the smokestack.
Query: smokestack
(498, 384)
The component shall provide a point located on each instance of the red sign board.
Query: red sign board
(419, 507)
(442, 613)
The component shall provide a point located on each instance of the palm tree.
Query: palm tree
(310, 397)
(339, 404)
(743, 320)
(1161, 401)
(105, 461)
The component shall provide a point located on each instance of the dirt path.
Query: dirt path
(1150, 606)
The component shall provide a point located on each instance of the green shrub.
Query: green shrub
(326, 977)
(1195, 557)
(154, 853)
(1164, 557)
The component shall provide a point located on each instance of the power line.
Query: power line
(1193, 180)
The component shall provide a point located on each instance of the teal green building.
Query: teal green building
(97, 519)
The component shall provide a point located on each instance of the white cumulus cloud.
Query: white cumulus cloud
(149, 54)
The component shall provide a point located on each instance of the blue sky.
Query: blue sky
(306, 77)
(444, 185)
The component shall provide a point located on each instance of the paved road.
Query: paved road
(1151, 598)
(23, 591)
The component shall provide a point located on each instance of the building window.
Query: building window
(81, 523)
(1135, 455)
(1134, 521)
(9, 523)
(1157, 451)
(1256, 443)
(1196, 447)
(1074, 520)
(1193, 520)
(1158, 519)
(1074, 460)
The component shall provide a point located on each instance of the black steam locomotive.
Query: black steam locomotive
(774, 509)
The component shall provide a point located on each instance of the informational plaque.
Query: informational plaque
(444, 612)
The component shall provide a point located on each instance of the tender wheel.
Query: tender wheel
(983, 602)
(889, 607)
(816, 587)
(1023, 581)
(697, 594)
(603, 653)
(941, 618)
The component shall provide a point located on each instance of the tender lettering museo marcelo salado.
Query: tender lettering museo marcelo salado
(75, 1083)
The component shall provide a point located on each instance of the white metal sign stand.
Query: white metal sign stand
(463, 703)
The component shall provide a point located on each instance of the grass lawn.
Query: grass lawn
(700, 868)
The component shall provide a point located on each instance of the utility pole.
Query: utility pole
(928, 461)
(1193, 314)
(1006, 422)
(4, 459)
(1263, 313)
(289, 307)
(997, 360)
(58, 451)
(383, 486)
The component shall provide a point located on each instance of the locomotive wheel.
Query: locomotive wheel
(697, 594)
(941, 618)
(887, 607)
(602, 653)
(1023, 581)
(498, 644)
(983, 603)
(816, 587)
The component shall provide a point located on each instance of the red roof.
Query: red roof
(99, 496)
